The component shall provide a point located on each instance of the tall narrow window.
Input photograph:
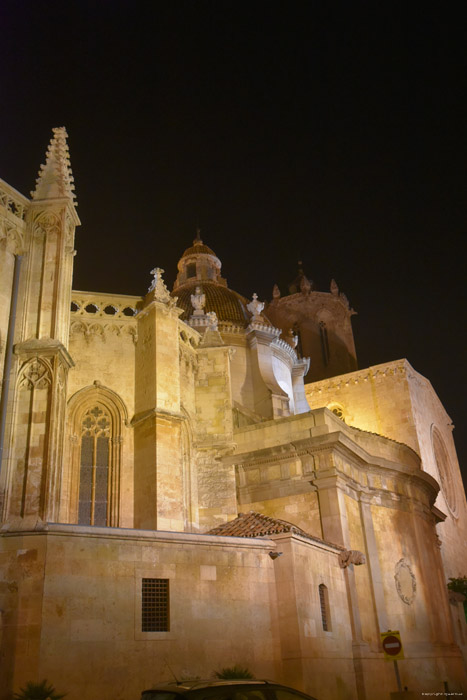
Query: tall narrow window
(94, 467)
(324, 604)
(323, 334)
(191, 270)
(155, 605)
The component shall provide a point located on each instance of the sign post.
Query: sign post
(392, 648)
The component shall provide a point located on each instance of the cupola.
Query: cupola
(199, 264)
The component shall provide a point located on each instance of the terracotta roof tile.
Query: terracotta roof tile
(254, 524)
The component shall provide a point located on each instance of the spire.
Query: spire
(55, 177)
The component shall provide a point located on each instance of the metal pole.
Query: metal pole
(398, 678)
(9, 353)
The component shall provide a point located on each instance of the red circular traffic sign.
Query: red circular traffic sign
(392, 645)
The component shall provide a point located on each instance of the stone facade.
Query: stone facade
(168, 443)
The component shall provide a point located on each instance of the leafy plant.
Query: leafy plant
(38, 691)
(459, 585)
(232, 672)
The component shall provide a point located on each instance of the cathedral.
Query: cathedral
(192, 479)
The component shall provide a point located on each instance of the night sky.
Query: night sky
(328, 132)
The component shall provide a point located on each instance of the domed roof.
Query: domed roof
(198, 248)
(229, 305)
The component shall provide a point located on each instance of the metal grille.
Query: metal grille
(155, 605)
(323, 604)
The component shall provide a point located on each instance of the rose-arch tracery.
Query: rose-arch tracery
(96, 418)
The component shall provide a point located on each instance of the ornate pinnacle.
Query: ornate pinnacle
(55, 177)
(255, 307)
(161, 293)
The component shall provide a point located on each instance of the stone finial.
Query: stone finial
(351, 556)
(305, 285)
(198, 301)
(276, 292)
(255, 307)
(161, 293)
(55, 177)
(292, 338)
(212, 321)
(334, 287)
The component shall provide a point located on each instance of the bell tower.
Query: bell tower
(31, 470)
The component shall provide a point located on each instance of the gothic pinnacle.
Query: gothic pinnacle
(55, 177)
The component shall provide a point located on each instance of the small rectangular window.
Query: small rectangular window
(155, 605)
(324, 605)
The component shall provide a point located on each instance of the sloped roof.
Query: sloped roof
(254, 524)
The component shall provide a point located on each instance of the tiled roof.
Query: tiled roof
(254, 524)
(198, 248)
(228, 305)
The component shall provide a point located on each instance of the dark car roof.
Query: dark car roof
(181, 687)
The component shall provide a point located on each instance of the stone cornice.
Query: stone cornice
(400, 367)
(43, 347)
(154, 536)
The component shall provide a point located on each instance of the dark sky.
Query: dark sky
(331, 132)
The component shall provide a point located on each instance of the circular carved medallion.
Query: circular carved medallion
(406, 583)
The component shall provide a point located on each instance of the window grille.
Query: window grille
(324, 604)
(155, 605)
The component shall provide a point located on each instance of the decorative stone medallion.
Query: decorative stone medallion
(406, 583)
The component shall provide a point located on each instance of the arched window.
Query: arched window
(94, 467)
(324, 605)
(323, 335)
(91, 496)
(191, 270)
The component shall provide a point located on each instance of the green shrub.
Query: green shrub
(232, 672)
(38, 691)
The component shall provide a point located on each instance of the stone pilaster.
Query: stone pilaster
(157, 422)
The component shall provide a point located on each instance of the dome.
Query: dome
(229, 306)
(199, 266)
(198, 248)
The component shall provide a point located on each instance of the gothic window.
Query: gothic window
(323, 334)
(93, 508)
(191, 270)
(324, 605)
(155, 605)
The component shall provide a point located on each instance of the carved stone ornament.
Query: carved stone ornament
(161, 293)
(406, 583)
(255, 307)
(212, 321)
(351, 556)
(46, 222)
(35, 375)
(305, 285)
(198, 301)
